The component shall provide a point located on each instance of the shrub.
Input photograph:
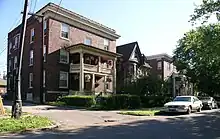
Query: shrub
(154, 101)
(82, 101)
(120, 101)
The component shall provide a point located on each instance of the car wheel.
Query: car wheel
(199, 109)
(189, 110)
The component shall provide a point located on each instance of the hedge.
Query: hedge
(154, 101)
(82, 101)
(119, 101)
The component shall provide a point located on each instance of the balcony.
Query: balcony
(91, 68)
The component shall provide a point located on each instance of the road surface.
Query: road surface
(203, 125)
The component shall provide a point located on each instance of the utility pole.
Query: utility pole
(17, 104)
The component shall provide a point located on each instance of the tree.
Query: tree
(149, 85)
(204, 11)
(198, 56)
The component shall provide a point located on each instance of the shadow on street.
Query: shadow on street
(205, 126)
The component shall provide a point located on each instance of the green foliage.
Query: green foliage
(82, 101)
(140, 112)
(198, 56)
(24, 123)
(154, 101)
(120, 101)
(150, 85)
(205, 10)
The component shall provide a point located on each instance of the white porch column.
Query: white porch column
(114, 76)
(81, 74)
(99, 64)
(93, 82)
(104, 84)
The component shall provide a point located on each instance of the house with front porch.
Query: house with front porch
(64, 52)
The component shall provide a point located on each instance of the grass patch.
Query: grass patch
(140, 113)
(57, 103)
(143, 112)
(24, 123)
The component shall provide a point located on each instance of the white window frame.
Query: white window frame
(68, 35)
(106, 44)
(17, 38)
(15, 62)
(9, 48)
(88, 41)
(44, 78)
(63, 72)
(32, 35)
(45, 25)
(31, 58)
(30, 80)
(64, 51)
(45, 52)
(159, 65)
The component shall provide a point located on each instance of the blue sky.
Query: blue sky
(155, 24)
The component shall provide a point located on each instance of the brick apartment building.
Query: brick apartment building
(162, 65)
(79, 54)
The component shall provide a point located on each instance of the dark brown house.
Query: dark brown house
(79, 54)
(132, 65)
(162, 65)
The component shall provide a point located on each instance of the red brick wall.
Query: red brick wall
(76, 36)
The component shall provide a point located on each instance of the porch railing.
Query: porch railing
(92, 68)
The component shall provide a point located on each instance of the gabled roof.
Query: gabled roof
(126, 50)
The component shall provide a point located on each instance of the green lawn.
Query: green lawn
(142, 112)
(57, 103)
(24, 123)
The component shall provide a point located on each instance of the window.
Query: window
(159, 65)
(160, 76)
(30, 80)
(31, 62)
(45, 25)
(88, 41)
(9, 65)
(64, 30)
(10, 46)
(168, 66)
(17, 37)
(44, 53)
(32, 36)
(106, 44)
(63, 83)
(107, 85)
(64, 56)
(15, 62)
(44, 78)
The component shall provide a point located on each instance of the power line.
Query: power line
(56, 12)
(34, 6)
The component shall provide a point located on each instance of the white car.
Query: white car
(183, 104)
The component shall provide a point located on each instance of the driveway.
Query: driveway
(203, 125)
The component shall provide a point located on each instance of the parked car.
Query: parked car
(183, 104)
(209, 102)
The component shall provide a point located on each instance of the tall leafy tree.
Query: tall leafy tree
(198, 56)
(205, 10)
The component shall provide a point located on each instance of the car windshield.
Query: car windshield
(182, 99)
